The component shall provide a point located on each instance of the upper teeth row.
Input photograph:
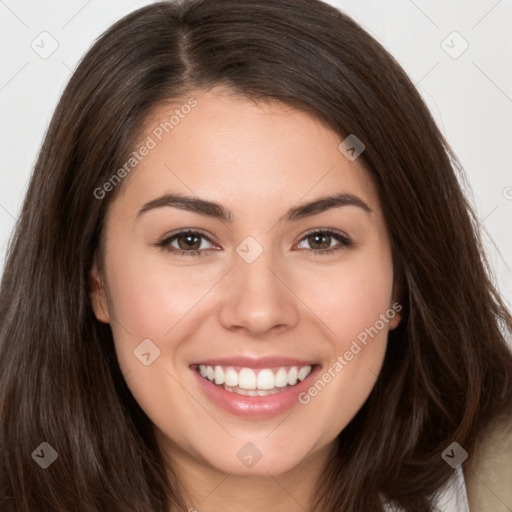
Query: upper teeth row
(247, 378)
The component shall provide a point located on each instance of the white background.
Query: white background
(470, 96)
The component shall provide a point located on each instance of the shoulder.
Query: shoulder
(488, 472)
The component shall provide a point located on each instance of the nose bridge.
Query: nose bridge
(258, 300)
(254, 258)
(255, 269)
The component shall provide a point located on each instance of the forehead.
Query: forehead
(240, 153)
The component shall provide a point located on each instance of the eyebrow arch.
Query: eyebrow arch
(217, 211)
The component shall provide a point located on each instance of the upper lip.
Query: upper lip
(255, 362)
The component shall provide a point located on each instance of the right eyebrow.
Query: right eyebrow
(189, 203)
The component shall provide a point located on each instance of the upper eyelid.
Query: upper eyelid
(186, 231)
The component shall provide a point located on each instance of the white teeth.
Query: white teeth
(231, 377)
(281, 378)
(252, 392)
(246, 379)
(254, 382)
(218, 373)
(304, 372)
(265, 379)
(292, 376)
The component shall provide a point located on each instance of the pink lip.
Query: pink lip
(254, 406)
(255, 362)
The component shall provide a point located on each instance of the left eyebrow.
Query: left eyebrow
(217, 211)
(323, 204)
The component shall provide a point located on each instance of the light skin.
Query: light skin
(257, 160)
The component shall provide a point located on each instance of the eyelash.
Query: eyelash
(345, 243)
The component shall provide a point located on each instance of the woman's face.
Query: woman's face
(264, 303)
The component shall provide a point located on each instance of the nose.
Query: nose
(258, 298)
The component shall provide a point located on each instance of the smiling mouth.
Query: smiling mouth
(252, 381)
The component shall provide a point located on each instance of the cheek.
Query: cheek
(354, 301)
(150, 295)
(362, 301)
(351, 297)
(148, 300)
(152, 299)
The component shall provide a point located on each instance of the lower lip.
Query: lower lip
(255, 406)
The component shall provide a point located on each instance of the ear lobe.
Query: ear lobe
(395, 305)
(395, 321)
(98, 295)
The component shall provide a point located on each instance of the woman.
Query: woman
(245, 277)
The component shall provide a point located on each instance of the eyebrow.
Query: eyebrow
(217, 211)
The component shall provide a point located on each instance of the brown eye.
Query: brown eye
(185, 243)
(320, 242)
(188, 241)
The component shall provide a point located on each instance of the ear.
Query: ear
(395, 305)
(98, 294)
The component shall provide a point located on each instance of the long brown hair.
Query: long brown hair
(447, 370)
